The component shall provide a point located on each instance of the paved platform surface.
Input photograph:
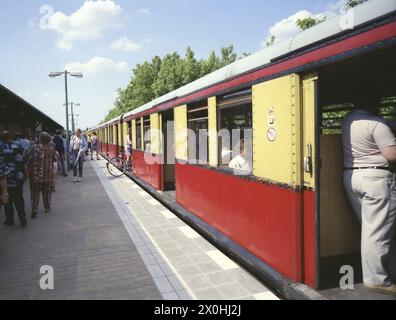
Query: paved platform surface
(116, 242)
(83, 240)
(183, 264)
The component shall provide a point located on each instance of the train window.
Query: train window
(235, 128)
(138, 134)
(198, 146)
(332, 115)
(146, 134)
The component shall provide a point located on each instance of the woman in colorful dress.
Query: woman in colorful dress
(40, 166)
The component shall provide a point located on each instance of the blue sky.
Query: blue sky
(105, 39)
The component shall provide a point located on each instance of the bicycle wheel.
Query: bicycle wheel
(116, 167)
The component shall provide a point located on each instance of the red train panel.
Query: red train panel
(264, 219)
(309, 231)
(112, 150)
(150, 173)
(104, 147)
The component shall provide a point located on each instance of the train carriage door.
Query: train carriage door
(277, 160)
(309, 96)
(167, 119)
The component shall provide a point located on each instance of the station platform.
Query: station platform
(107, 238)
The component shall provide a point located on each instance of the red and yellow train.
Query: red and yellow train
(289, 221)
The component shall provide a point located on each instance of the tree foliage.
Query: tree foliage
(307, 23)
(160, 76)
(270, 41)
(354, 3)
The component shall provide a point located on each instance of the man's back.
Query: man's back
(364, 135)
(59, 146)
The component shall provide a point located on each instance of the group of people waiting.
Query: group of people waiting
(39, 160)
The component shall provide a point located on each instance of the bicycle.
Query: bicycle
(117, 166)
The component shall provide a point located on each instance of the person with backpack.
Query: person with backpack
(60, 148)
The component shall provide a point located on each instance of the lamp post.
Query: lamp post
(73, 117)
(66, 73)
(72, 104)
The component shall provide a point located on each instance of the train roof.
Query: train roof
(365, 13)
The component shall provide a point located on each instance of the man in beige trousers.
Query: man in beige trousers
(369, 148)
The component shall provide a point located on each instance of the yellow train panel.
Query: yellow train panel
(277, 130)
(120, 132)
(115, 134)
(142, 132)
(134, 134)
(155, 133)
(308, 114)
(124, 140)
(181, 136)
(212, 132)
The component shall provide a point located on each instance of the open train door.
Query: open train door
(330, 230)
(310, 169)
(168, 150)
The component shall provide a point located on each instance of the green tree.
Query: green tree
(228, 56)
(209, 65)
(139, 90)
(354, 3)
(190, 67)
(170, 75)
(270, 41)
(307, 23)
(153, 79)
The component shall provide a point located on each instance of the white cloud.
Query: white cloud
(49, 95)
(97, 65)
(288, 27)
(125, 44)
(337, 6)
(32, 22)
(144, 12)
(87, 23)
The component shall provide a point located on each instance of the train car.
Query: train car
(110, 137)
(289, 220)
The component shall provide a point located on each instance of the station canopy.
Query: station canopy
(21, 117)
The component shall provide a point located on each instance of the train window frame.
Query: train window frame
(146, 134)
(197, 114)
(236, 103)
(138, 133)
(130, 130)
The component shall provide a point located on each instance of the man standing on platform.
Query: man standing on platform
(369, 148)
(78, 146)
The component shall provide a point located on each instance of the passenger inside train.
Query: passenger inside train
(240, 163)
(343, 89)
